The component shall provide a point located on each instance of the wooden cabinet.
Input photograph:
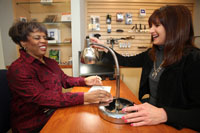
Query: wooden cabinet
(131, 77)
(50, 14)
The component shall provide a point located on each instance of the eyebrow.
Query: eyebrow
(38, 35)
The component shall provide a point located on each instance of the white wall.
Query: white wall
(8, 47)
(78, 32)
(2, 64)
(197, 22)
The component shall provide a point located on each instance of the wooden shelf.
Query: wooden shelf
(60, 43)
(34, 10)
(57, 22)
(65, 66)
(25, 2)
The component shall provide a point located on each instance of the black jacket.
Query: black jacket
(178, 88)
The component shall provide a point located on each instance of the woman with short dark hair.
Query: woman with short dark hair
(36, 81)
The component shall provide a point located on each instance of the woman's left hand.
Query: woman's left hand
(93, 80)
(145, 114)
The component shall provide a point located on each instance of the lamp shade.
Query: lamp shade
(89, 56)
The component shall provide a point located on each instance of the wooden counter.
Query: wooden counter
(85, 118)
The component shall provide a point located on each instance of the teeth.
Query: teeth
(155, 36)
(43, 47)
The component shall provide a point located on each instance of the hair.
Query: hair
(21, 30)
(177, 21)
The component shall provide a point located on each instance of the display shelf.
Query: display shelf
(65, 66)
(57, 22)
(34, 10)
(25, 2)
(60, 43)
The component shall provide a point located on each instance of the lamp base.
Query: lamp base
(113, 114)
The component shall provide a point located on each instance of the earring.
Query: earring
(24, 48)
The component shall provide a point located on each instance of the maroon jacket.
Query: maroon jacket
(36, 88)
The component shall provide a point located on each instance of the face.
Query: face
(158, 33)
(36, 45)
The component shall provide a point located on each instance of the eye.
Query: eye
(157, 25)
(36, 38)
(39, 37)
(45, 38)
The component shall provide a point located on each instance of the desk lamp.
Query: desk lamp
(112, 112)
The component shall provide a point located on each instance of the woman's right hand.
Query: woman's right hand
(95, 40)
(97, 96)
(144, 114)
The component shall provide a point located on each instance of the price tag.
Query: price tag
(46, 1)
(65, 17)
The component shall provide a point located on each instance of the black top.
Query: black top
(178, 88)
(153, 82)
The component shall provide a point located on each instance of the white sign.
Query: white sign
(46, 1)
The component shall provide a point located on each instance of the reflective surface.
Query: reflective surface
(99, 69)
(112, 112)
(89, 56)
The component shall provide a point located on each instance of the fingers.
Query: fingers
(134, 108)
(98, 80)
(146, 114)
(142, 123)
(104, 96)
(93, 80)
(132, 117)
(106, 102)
(97, 96)
(95, 40)
(139, 121)
(137, 118)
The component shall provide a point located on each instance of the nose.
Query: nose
(151, 30)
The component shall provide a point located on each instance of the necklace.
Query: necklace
(156, 71)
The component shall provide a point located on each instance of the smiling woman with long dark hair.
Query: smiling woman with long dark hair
(170, 72)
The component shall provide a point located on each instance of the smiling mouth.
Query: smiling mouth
(155, 36)
(43, 48)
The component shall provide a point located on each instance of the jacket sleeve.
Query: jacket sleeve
(69, 81)
(183, 118)
(131, 61)
(27, 85)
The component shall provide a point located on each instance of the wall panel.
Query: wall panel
(142, 40)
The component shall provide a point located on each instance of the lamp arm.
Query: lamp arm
(117, 68)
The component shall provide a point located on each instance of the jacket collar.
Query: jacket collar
(28, 58)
